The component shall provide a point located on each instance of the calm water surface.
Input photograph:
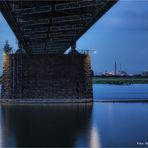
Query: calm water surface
(91, 125)
(106, 91)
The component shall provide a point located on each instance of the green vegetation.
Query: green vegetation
(120, 80)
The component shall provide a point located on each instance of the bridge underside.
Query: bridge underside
(52, 26)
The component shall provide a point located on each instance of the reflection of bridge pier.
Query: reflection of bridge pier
(5, 126)
(50, 126)
(45, 30)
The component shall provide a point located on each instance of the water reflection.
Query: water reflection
(0, 129)
(100, 125)
(94, 138)
(121, 124)
(50, 125)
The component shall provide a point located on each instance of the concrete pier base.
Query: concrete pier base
(47, 78)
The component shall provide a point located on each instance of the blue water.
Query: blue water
(106, 91)
(94, 125)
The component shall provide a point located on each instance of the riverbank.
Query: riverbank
(120, 80)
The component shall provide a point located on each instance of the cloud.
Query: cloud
(128, 15)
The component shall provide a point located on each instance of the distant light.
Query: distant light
(95, 51)
(4, 54)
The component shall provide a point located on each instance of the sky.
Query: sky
(121, 35)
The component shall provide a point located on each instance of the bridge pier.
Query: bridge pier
(47, 78)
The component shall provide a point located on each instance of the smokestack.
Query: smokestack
(115, 69)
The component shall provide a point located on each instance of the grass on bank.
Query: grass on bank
(120, 80)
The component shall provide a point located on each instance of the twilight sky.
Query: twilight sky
(121, 35)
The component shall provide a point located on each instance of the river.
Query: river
(93, 125)
(117, 92)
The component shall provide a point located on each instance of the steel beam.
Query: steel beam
(78, 4)
(33, 10)
(10, 17)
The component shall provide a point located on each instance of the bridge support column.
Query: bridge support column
(47, 78)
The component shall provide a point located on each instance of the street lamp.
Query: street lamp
(95, 51)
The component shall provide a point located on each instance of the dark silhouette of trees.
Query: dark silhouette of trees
(7, 48)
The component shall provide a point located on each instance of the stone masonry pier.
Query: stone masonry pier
(47, 78)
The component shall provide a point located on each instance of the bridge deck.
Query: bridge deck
(52, 26)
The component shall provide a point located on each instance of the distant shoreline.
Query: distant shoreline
(116, 80)
(120, 80)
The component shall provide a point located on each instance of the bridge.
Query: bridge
(45, 30)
